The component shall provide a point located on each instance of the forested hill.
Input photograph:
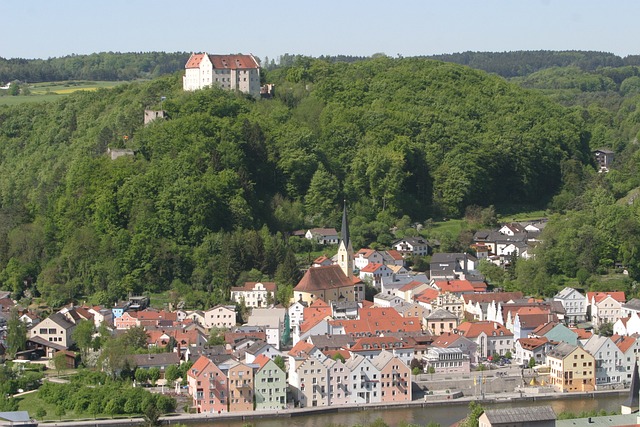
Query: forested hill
(394, 137)
(523, 63)
(97, 66)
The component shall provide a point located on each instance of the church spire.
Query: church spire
(345, 250)
(345, 226)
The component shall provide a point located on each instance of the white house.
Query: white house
(229, 72)
(375, 273)
(220, 316)
(365, 256)
(609, 366)
(630, 349)
(606, 307)
(254, 294)
(411, 246)
(386, 300)
(574, 303)
(627, 325)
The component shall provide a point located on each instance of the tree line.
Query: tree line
(109, 66)
(211, 195)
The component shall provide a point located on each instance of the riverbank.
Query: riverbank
(497, 398)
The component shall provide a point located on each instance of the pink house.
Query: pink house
(207, 386)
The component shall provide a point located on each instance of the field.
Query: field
(51, 91)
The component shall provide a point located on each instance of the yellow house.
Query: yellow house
(571, 368)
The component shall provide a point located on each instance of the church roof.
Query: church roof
(323, 278)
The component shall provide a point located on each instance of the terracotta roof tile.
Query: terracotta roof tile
(474, 329)
(322, 278)
(599, 296)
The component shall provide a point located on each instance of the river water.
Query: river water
(444, 415)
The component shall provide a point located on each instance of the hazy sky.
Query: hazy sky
(53, 28)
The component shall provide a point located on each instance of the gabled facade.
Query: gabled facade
(220, 316)
(395, 378)
(367, 256)
(627, 325)
(630, 349)
(365, 380)
(207, 386)
(270, 385)
(411, 246)
(608, 360)
(240, 380)
(571, 368)
(375, 273)
(254, 294)
(605, 307)
(491, 337)
(441, 321)
(56, 329)
(574, 303)
(555, 331)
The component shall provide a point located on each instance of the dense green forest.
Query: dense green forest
(211, 194)
(98, 66)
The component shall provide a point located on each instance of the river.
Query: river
(445, 415)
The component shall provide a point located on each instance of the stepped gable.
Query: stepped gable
(492, 296)
(322, 278)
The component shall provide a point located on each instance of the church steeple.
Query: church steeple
(345, 250)
(344, 233)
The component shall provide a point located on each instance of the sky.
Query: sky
(55, 28)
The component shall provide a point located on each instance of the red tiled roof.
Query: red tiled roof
(474, 329)
(261, 360)
(411, 285)
(302, 349)
(599, 296)
(530, 320)
(395, 254)
(323, 278)
(156, 315)
(454, 286)
(199, 366)
(583, 334)
(624, 342)
(426, 296)
(446, 339)
(365, 252)
(194, 60)
(371, 267)
(378, 320)
(532, 343)
(320, 259)
(544, 328)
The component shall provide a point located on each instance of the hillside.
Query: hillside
(394, 137)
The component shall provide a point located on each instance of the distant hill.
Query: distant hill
(110, 66)
(522, 63)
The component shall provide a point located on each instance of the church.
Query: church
(334, 282)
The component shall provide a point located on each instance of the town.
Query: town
(329, 346)
(398, 320)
